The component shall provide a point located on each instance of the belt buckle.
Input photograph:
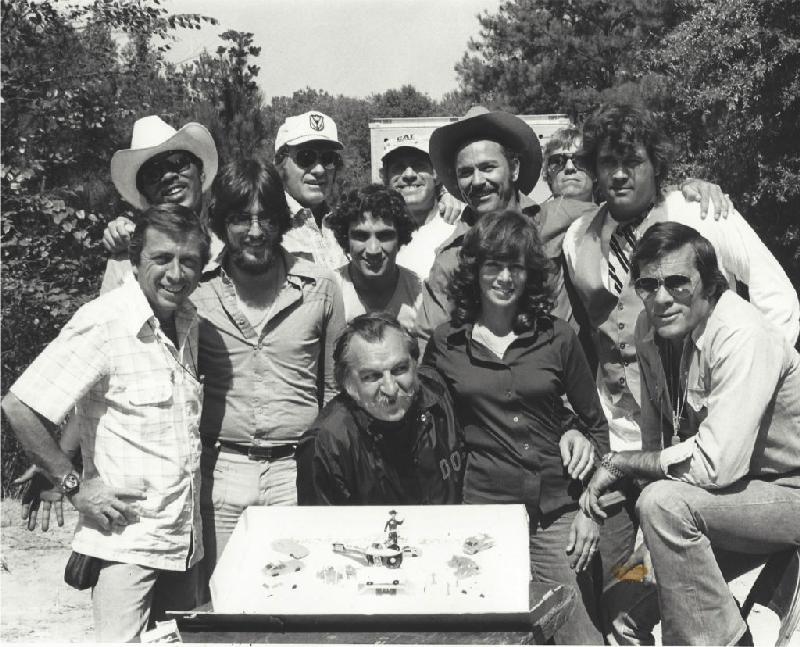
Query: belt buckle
(259, 453)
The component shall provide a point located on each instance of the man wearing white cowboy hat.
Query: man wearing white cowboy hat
(307, 158)
(406, 167)
(490, 160)
(163, 165)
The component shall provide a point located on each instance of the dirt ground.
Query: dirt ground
(37, 606)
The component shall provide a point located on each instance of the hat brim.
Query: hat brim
(193, 137)
(501, 127)
(405, 147)
(303, 139)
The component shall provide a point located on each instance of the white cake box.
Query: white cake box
(343, 561)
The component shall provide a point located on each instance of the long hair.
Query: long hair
(504, 236)
(623, 127)
(239, 183)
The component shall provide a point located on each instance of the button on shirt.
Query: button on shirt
(742, 400)
(512, 412)
(137, 402)
(268, 386)
(309, 241)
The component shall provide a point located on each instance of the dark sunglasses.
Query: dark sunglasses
(677, 285)
(308, 158)
(170, 162)
(558, 161)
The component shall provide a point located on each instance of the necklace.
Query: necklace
(170, 357)
(679, 403)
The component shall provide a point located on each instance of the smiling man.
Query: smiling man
(390, 437)
(406, 167)
(126, 363)
(720, 415)
(267, 329)
(630, 155)
(372, 225)
(162, 166)
(307, 156)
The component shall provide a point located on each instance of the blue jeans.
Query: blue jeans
(694, 536)
(550, 563)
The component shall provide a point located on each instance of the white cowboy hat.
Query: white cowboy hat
(151, 136)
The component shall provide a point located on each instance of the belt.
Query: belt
(253, 452)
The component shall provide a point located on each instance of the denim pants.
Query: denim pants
(550, 563)
(687, 529)
(129, 598)
(229, 483)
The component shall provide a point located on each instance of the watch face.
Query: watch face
(70, 483)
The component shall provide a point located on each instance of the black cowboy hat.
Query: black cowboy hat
(480, 123)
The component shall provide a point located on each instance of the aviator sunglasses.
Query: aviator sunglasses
(677, 285)
(557, 161)
(171, 161)
(308, 158)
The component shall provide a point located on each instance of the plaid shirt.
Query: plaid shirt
(137, 400)
(306, 240)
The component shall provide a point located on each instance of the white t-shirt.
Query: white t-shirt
(402, 304)
(418, 255)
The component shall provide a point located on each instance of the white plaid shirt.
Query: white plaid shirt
(137, 400)
(306, 240)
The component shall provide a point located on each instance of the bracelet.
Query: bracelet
(606, 462)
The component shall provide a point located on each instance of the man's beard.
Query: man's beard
(253, 266)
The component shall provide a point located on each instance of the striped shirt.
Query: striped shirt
(137, 400)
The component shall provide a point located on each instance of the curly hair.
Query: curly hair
(236, 186)
(503, 236)
(624, 127)
(382, 202)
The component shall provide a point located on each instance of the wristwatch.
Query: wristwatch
(70, 483)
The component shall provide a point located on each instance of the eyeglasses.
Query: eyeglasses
(677, 285)
(245, 220)
(170, 162)
(494, 268)
(558, 161)
(308, 158)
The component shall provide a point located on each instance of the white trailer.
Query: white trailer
(381, 130)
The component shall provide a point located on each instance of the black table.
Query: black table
(549, 609)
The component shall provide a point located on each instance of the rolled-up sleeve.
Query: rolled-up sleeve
(744, 366)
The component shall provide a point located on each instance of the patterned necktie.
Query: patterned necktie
(623, 240)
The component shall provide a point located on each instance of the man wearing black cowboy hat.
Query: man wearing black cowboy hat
(491, 161)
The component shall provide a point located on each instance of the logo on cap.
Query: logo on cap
(317, 122)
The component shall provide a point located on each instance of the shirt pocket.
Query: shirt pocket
(155, 393)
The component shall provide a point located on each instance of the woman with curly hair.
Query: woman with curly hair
(371, 225)
(509, 363)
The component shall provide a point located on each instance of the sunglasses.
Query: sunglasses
(558, 161)
(308, 158)
(170, 162)
(677, 285)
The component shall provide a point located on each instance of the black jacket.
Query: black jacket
(349, 458)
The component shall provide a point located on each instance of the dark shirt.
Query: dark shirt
(513, 414)
(349, 458)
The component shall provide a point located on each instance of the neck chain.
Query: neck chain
(681, 387)
(172, 358)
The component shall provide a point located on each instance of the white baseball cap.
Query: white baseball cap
(404, 140)
(309, 127)
(151, 136)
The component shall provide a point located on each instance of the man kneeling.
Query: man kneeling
(390, 436)
(720, 418)
(127, 363)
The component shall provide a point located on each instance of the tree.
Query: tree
(540, 56)
(733, 107)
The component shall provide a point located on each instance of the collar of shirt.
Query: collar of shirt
(140, 312)
(301, 215)
(462, 335)
(468, 218)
